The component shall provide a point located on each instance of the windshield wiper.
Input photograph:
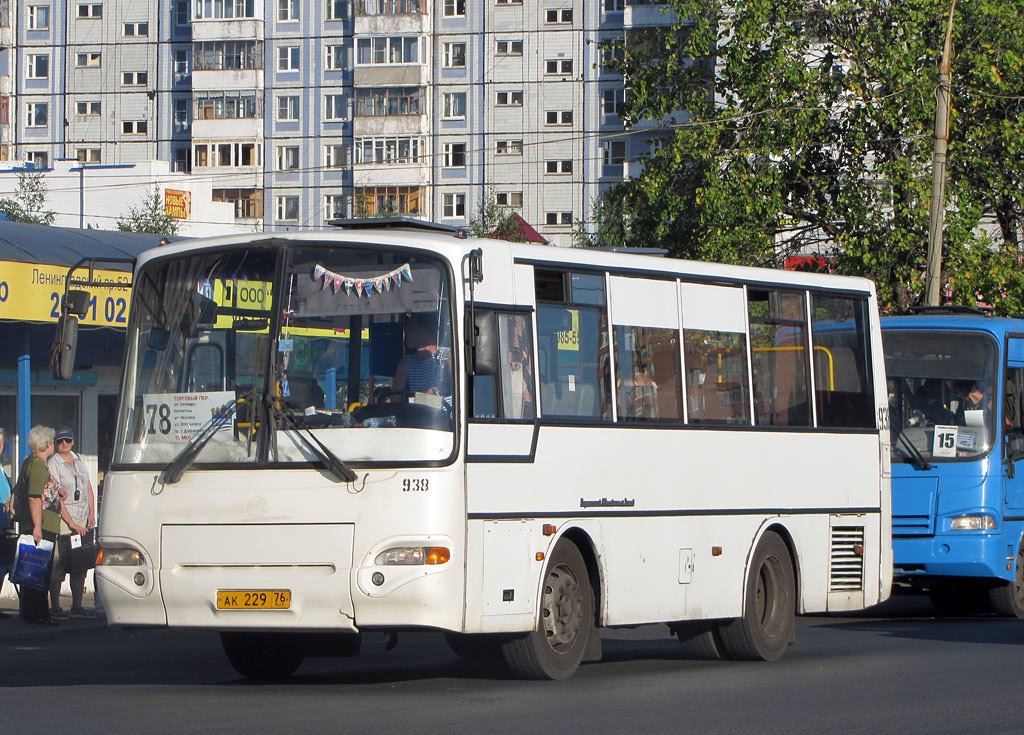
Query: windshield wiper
(915, 456)
(334, 465)
(177, 466)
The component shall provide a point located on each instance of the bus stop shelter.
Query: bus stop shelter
(34, 262)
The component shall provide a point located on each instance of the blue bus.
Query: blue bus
(955, 378)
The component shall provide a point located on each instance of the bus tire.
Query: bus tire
(699, 640)
(566, 622)
(768, 623)
(1008, 599)
(477, 646)
(263, 655)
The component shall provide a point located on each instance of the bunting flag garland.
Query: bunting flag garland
(379, 284)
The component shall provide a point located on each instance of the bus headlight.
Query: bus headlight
(973, 522)
(413, 555)
(119, 558)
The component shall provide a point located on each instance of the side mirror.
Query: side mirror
(76, 302)
(62, 356)
(158, 339)
(483, 344)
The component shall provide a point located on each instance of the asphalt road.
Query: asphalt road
(896, 669)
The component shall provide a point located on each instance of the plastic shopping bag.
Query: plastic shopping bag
(31, 562)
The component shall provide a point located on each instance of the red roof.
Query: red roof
(517, 226)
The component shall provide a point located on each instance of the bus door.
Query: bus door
(1012, 426)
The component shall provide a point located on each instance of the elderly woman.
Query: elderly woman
(44, 505)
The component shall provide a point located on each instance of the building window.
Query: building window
(208, 9)
(88, 155)
(134, 127)
(334, 57)
(288, 58)
(335, 10)
(182, 16)
(388, 50)
(560, 15)
(334, 107)
(558, 218)
(558, 66)
(248, 202)
(454, 55)
(38, 17)
(508, 48)
(453, 205)
(91, 59)
(182, 161)
(288, 208)
(90, 10)
(287, 10)
(335, 155)
(37, 114)
(181, 108)
(88, 108)
(509, 199)
(217, 55)
(335, 206)
(509, 99)
(558, 166)
(38, 66)
(612, 101)
(454, 8)
(227, 153)
(508, 2)
(454, 155)
(243, 104)
(558, 117)
(134, 78)
(287, 157)
(614, 6)
(181, 65)
(135, 29)
(373, 200)
(288, 107)
(39, 159)
(383, 101)
(608, 56)
(614, 152)
(400, 149)
(454, 105)
(509, 148)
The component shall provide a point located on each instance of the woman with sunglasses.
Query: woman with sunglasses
(78, 517)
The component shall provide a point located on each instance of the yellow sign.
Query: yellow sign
(33, 293)
(569, 339)
(178, 204)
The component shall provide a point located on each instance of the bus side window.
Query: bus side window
(842, 365)
(512, 389)
(778, 341)
(1012, 411)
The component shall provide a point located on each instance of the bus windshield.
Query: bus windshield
(351, 345)
(941, 387)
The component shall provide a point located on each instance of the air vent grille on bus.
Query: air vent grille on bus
(846, 568)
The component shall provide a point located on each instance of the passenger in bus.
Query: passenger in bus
(426, 366)
(972, 399)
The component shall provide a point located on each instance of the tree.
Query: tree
(809, 127)
(29, 203)
(151, 216)
(494, 220)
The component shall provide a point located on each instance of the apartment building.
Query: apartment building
(305, 111)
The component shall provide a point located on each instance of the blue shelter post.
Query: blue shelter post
(24, 399)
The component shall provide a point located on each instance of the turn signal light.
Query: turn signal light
(413, 555)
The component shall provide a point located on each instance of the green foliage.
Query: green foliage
(150, 217)
(809, 127)
(29, 203)
(494, 220)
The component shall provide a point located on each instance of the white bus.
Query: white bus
(323, 434)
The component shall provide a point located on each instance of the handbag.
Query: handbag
(31, 562)
(80, 557)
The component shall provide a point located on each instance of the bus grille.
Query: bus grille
(846, 568)
(911, 525)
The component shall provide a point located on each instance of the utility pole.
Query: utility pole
(933, 273)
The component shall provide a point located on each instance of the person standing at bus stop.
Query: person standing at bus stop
(78, 517)
(44, 506)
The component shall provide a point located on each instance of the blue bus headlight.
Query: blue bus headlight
(972, 522)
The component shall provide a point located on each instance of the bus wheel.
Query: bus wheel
(768, 623)
(1008, 599)
(555, 649)
(475, 645)
(263, 655)
(699, 640)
